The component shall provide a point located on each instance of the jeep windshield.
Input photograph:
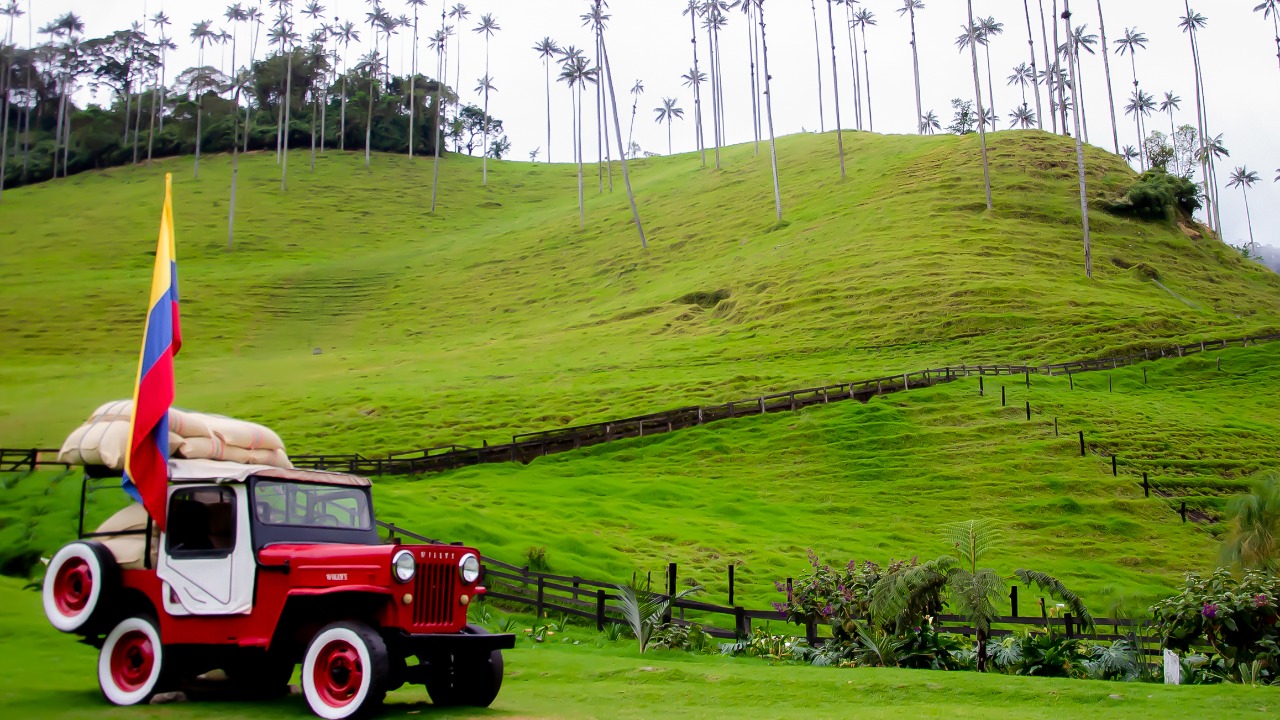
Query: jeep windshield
(302, 512)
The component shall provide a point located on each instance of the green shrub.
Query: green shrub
(1156, 195)
(1234, 618)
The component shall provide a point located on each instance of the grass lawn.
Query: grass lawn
(51, 676)
(498, 315)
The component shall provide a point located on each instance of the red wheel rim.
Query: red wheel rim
(338, 673)
(72, 587)
(132, 660)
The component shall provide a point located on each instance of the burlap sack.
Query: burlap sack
(102, 443)
(214, 449)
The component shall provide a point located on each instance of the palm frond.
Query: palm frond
(974, 538)
(1054, 587)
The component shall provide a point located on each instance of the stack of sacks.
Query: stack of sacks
(102, 439)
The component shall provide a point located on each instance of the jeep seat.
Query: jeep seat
(129, 549)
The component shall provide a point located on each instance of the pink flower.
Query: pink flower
(1259, 600)
(1210, 611)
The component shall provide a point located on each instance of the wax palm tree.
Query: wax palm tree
(577, 72)
(696, 77)
(368, 67)
(636, 91)
(667, 113)
(768, 104)
(712, 20)
(1271, 9)
(459, 14)
(909, 8)
(817, 51)
(753, 54)
(202, 34)
(440, 44)
(235, 15)
(854, 62)
(600, 22)
(487, 27)
(1129, 153)
(1022, 117)
(929, 123)
(1254, 519)
(971, 41)
(239, 81)
(990, 30)
(1106, 65)
(1022, 77)
(1130, 44)
(1191, 24)
(864, 18)
(1244, 178)
(1035, 70)
(346, 34)
(835, 88)
(546, 48)
(1170, 103)
(1140, 106)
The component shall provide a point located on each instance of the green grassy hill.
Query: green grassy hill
(498, 314)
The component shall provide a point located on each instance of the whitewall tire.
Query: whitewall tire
(345, 671)
(131, 662)
(79, 576)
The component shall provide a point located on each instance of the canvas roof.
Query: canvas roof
(187, 471)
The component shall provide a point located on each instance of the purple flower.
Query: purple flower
(813, 558)
(779, 586)
(780, 607)
(828, 611)
(1210, 611)
(1259, 600)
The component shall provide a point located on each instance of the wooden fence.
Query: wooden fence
(547, 595)
(528, 446)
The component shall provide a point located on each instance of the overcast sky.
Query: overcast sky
(649, 40)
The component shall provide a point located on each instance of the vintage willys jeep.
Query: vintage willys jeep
(261, 569)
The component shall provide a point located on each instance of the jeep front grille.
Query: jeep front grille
(435, 589)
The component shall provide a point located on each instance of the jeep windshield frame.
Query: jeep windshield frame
(292, 512)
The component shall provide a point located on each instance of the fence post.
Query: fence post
(1027, 373)
(1055, 427)
(789, 593)
(1183, 511)
(793, 401)
(1146, 487)
(982, 390)
(730, 584)
(539, 605)
(1028, 410)
(811, 632)
(671, 590)
(1002, 398)
(741, 625)
(1013, 601)
(699, 415)
(761, 405)
(1081, 443)
(1113, 466)
(600, 610)
(1219, 363)
(906, 382)
(1144, 376)
(1109, 384)
(1071, 380)
(1069, 619)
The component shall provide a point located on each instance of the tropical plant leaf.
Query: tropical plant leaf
(1054, 587)
(973, 539)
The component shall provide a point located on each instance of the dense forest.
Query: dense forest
(308, 88)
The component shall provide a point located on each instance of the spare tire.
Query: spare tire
(78, 586)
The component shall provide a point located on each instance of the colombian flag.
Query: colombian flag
(146, 465)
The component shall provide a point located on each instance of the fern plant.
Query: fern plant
(644, 610)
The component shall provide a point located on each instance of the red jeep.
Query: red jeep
(261, 569)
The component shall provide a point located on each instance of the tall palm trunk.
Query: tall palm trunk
(368, 125)
(831, 27)
(991, 88)
(915, 63)
(982, 125)
(697, 86)
(4, 121)
(768, 104)
(137, 129)
(235, 167)
(866, 68)
(57, 136)
(1048, 69)
(199, 114)
(715, 90)
(413, 78)
(1035, 71)
(853, 61)
(253, 53)
(437, 139)
(284, 142)
(1173, 130)
(546, 65)
(1249, 215)
(484, 161)
(582, 207)
(1077, 90)
(1211, 176)
(817, 54)
(342, 119)
(599, 130)
(1059, 75)
(754, 86)
(617, 128)
(128, 109)
(1137, 115)
(1106, 64)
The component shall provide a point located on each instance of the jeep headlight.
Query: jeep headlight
(469, 568)
(403, 566)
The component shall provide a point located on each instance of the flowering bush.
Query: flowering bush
(1236, 618)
